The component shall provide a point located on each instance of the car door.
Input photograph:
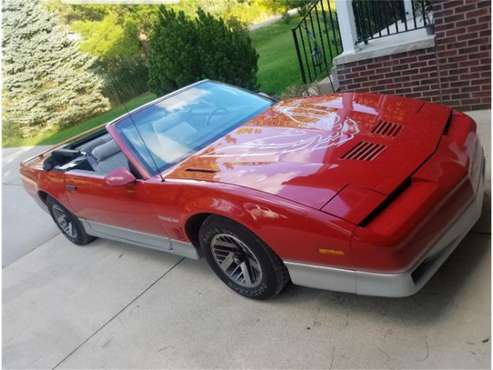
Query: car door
(123, 213)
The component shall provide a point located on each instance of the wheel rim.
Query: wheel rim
(236, 260)
(64, 221)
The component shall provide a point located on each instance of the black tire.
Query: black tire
(262, 265)
(76, 233)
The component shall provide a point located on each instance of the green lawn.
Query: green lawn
(277, 69)
(277, 65)
(99, 120)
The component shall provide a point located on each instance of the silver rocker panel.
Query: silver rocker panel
(157, 242)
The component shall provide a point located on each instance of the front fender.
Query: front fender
(295, 232)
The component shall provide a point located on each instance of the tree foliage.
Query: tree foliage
(124, 79)
(117, 36)
(109, 32)
(244, 11)
(121, 31)
(183, 50)
(47, 81)
(108, 39)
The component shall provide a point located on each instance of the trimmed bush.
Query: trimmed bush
(183, 50)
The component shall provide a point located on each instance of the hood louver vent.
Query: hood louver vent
(203, 170)
(364, 151)
(385, 128)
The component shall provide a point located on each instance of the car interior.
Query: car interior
(167, 141)
(168, 130)
(98, 153)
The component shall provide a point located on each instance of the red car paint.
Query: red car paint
(297, 178)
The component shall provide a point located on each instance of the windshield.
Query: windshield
(177, 126)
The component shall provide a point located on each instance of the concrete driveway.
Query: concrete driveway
(24, 225)
(110, 305)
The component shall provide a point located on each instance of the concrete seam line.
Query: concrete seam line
(118, 313)
(32, 250)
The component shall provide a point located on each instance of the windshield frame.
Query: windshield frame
(136, 158)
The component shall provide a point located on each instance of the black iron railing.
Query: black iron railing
(380, 18)
(317, 40)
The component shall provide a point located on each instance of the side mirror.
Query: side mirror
(119, 177)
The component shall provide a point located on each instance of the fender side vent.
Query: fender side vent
(364, 151)
(385, 128)
(203, 170)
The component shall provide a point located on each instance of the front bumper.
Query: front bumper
(392, 285)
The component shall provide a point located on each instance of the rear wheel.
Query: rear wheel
(241, 260)
(68, 223)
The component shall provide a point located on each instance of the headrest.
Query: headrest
(89, 146)
(105, 151)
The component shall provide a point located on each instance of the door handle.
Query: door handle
(70, 187)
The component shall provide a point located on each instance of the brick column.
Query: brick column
(463, 48)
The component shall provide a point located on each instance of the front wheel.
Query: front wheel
(68, 223)
(241, 260)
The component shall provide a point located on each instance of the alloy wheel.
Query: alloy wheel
(64, 221)
(236, 260)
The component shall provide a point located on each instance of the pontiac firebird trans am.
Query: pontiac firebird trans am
(359, 193)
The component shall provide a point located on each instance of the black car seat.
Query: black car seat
(108, 156)
(90, 145)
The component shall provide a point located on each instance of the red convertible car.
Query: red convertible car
(359, 193)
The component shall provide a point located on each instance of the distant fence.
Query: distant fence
(317, 40)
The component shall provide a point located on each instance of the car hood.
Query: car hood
(309, 149)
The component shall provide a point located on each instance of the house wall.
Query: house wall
(456, 71)
(413, 74)
(463, 45)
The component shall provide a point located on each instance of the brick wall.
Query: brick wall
(463, 44)
(455, 72)
(412, 74)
